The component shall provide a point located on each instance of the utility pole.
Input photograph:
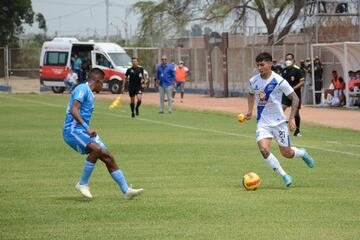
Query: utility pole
(107, 20)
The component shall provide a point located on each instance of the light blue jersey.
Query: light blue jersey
(74, 134)
(83, 94)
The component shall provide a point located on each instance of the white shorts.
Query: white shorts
(279, 132)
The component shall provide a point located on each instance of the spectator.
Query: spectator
(354, 81)
(341, 8)
(77, 66)
(335, 94)
(165, 76)
(181, 73)
(276, 67)
(71, 80)
(318, 72)
(302, 65)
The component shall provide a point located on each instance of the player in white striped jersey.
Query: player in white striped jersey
(266, 89)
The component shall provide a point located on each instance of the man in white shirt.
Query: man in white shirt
(71, 80)
(266, 89)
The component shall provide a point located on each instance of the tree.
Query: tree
(13, 14)
(277, 15)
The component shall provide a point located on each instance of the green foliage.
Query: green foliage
(13, 14)
(41, 21)
(190, 165)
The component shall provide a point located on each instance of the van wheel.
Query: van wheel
(58, 89)
(115, 86)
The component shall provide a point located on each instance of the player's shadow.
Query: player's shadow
(73, 199)
(272, 187)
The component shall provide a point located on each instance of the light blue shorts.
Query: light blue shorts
(78, 139)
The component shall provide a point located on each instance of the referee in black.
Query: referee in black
(135, 76)
(295, 76)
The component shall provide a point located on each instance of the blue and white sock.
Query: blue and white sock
(88, 169)
(119, 178)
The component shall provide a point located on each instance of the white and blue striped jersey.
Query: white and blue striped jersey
(84, 95)
(268, 95)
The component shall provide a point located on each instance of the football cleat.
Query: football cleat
(84, 190)
(287, 180)
(132, 192)
(308, 159)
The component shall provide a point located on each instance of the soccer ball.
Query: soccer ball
(251, 181)
(241, 118)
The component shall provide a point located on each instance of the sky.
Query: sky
(85, 17)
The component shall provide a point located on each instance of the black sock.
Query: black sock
(132, 106)
(138, 104)
(297, 122)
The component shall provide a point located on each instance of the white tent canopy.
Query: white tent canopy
(348, 54)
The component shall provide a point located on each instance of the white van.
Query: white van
(57, 55)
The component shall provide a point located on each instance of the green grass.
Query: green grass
(190, 165)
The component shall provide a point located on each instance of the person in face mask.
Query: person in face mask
(295, 77)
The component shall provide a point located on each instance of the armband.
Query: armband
(85, 126)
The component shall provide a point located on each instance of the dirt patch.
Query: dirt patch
(338, 118)
(22, 84)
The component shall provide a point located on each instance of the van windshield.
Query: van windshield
(120, 59)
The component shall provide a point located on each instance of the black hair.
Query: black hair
(291, 54)
(334, 71)
(133, 58)
(264, 56)
(95, 72)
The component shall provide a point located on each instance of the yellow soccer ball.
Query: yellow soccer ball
(251, 181)
(241, 118)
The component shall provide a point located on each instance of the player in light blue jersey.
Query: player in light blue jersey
(266, 89)
(83, 139)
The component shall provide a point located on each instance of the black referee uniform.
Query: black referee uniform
(293, 74)
(134, 77)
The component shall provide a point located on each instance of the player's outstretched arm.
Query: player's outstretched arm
(251, 102)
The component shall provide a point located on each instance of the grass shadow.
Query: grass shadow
(74, 199)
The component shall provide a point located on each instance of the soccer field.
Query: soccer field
(190, 165)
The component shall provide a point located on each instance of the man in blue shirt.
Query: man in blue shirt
(83, 139)
(77, 66)
(165, 74)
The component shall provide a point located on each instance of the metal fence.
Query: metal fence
(19, 68)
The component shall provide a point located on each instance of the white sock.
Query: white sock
(298, 152)
(275, 165)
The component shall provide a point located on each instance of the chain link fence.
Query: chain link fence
(19, 68)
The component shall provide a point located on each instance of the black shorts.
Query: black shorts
(135, 91)
(287, 102)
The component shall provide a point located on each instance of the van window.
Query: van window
(56, 58)
(102, 60)
(120, 59)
